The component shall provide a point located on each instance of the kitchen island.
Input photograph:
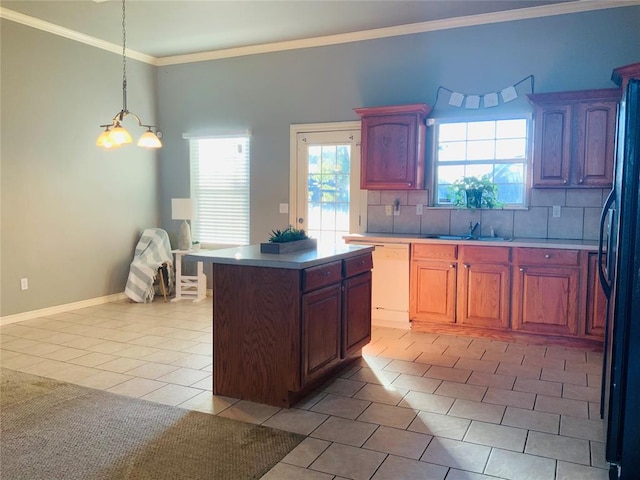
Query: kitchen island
(282, 324)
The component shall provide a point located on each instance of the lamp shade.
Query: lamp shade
(149, 140)
(181, 208)
(120, 136)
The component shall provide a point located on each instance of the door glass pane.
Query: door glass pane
(328, 192)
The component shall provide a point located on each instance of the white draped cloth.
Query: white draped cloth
(152, 251)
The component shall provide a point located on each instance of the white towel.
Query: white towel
(152, 251)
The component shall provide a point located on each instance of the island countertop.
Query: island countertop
(250, 255)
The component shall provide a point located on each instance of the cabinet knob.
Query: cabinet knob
(581, 180)
(522, 269)
(409, 184)
(452, 265)
(466, 265)
(564, 182)
(547, 256)
(327, 273)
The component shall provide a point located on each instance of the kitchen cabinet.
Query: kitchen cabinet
(278, 332)
(484, 287)
(393, 147)
(467, 285)
(547, 286)
(574, 138)
(432, 283)
(596, 300)
(336, 319)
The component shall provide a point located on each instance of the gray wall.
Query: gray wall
(266, 93)
(71, 213)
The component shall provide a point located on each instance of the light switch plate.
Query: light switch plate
(284, 208)
(556, 211)
(388, 210)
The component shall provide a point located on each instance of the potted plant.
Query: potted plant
(288, 240)
(473, 192)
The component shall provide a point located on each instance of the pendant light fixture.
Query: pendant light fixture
(115, 134)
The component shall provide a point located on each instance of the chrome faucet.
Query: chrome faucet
(472, 228)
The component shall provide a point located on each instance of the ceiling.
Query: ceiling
(164, 28)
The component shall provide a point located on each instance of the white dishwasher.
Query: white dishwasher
(390, 291)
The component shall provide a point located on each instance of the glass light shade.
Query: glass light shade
(120, 136)
(149, 140)
(105, 141)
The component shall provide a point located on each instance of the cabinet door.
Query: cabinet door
(356, 313)
(433, 291)
(321, 325)
(552, 145)
(392, 153)
(596, 301)
(484, 295)
(546, 300)
(596, 124)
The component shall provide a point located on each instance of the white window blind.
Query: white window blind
(220, 186)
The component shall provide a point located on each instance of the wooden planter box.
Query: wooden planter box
(288, 247)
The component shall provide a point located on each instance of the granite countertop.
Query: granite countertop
(251, 256)
(399, 238)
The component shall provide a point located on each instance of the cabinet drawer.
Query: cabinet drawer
(434, 252)
(356, 265)
(485, 254)
(547, 256)
(322, 275)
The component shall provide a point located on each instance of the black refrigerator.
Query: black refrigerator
(620, 278)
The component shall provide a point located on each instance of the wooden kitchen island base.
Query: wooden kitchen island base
(283, 324)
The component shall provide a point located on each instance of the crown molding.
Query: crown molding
(576, 6)
(400, 30)
(33, 22)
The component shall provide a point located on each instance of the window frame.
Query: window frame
(245, 137)
(433, 124)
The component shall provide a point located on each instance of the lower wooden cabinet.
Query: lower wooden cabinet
(547, 300)
(356, 314)
(542, 291)
(547, 287)
(321, 331)
(484, 294)
(432, 283)
(596, 300)
(336, 319)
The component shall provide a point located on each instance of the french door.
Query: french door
(326, 198)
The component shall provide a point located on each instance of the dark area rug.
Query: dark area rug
(55, 430)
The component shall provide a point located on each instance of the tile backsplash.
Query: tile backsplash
(579, 215)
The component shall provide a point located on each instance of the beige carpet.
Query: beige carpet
(54, 430)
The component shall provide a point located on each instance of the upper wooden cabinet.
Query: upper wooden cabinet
(393, 147)
(574, 138)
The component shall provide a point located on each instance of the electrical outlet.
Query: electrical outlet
(388, 210)
(419, 209)
(556, 211)
(24, 284)
(396, 212)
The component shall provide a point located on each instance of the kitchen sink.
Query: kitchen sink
(468, 237)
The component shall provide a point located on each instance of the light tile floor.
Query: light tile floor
(416, 406)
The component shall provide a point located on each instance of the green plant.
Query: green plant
(289, 234)
(473, 192)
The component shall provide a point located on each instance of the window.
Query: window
(497, 148)
(220, 187)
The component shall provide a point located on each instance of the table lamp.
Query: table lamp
(182, 209)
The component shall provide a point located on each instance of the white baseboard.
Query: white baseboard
(43, 312)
